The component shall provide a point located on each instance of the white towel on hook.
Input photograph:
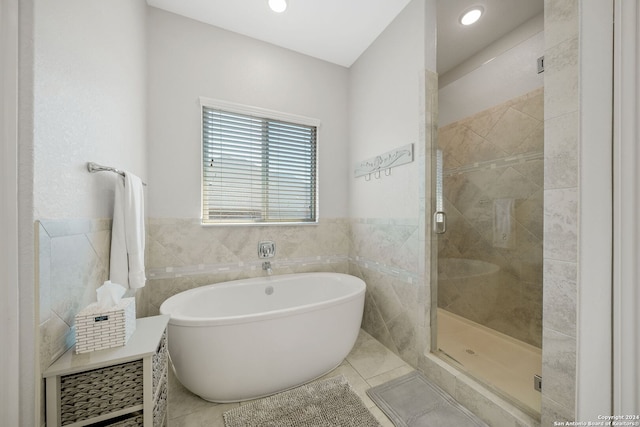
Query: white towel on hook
(127, 234)
(504, 224)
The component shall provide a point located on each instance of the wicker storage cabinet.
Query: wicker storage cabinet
(122, 386)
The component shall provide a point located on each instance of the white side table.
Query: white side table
(121, 386)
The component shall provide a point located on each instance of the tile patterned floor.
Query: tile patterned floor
(369, 364)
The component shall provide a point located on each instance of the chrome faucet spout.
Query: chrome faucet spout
(266, 266)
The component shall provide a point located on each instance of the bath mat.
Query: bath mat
(413, 401)
(327, 403)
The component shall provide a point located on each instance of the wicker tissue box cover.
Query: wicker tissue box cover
(99, 329)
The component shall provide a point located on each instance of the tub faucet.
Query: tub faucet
(266, 266)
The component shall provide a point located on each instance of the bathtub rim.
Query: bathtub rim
(192, 321)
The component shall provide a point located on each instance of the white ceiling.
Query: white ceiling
(457, 42)
(339, 31)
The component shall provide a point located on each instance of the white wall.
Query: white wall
(90, 71)
(28, 375)
(83, 98)
(384, 107)
(188, 59)
(508, 69)
(596, 176)
(9, 291)
(626, 274)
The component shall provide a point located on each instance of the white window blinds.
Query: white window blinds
(257, 169)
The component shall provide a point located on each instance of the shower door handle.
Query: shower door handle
(439, 217)
(439, 222)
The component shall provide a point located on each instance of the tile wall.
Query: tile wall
(183, 254)
(72, 262)
(561, 183)
(387, 260)
(493, 157)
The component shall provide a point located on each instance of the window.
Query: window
(257, 166)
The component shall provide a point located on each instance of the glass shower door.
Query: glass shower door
(488, 222)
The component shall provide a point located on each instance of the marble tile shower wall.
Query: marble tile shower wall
(182, 254)
(493, 157)
(72, 262)
(561, 216)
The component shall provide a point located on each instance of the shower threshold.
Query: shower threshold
(451, 357)
(504, 363)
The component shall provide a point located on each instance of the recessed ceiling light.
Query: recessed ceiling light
(470, 16)
(278, 6)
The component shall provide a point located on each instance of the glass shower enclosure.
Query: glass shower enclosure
(488, 222)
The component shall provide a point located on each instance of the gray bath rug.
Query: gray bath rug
(325, 403)
(413, 401)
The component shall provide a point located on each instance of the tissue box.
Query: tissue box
(99, 329)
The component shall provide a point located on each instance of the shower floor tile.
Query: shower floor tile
(505, 363)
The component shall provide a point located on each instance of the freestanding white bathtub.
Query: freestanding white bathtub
(250, 338)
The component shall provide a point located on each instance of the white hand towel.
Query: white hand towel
(127, 234)
(504, 224)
